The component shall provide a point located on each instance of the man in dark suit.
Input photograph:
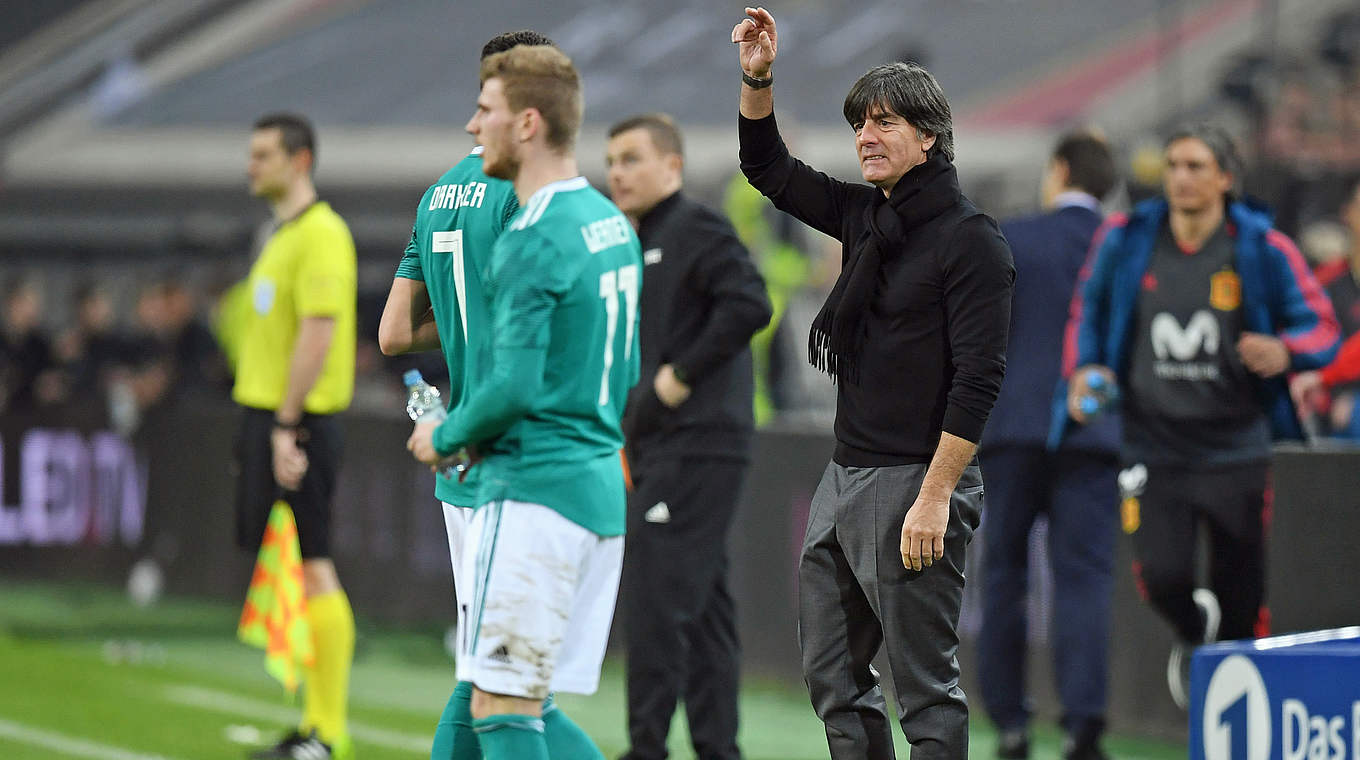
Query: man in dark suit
(1074, 486)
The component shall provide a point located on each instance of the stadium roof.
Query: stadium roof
(390, 83)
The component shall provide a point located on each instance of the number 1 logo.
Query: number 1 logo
(1236, 712)
(623, 280)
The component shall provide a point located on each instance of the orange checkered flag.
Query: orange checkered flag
(275, 614)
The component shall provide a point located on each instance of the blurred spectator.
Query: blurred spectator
(1324, 244)
(1342, 282)
(1306, 115)
(1073, 486)
(199, 364)
(27, 368)
(1197, 308)
(768, 234)
(1342, 278)
(92, 349)
(174, 341)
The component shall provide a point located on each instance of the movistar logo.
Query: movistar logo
(1170, 340)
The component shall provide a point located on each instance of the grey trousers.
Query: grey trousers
(854, 596)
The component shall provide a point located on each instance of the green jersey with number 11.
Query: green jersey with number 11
(457, 222)
(564, 284)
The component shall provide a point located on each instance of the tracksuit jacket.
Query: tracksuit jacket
(1280, 297)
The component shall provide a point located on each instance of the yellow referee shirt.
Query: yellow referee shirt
(307, 269)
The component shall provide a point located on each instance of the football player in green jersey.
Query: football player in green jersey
(437, 301)
(545, 546)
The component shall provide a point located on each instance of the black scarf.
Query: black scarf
(837, 333)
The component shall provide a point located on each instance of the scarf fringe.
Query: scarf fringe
(823, 359)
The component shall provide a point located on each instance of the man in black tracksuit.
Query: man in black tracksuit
(688, 424)
(914, 333)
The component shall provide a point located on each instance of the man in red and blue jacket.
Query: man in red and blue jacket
(1195, 309)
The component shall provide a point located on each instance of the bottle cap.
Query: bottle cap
(412, 377)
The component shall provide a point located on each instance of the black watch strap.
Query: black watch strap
(756, 83)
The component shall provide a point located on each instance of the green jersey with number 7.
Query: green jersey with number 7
(563, 283)
(457, 222)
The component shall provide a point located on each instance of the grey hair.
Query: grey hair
(909, 91)
(1220, 143)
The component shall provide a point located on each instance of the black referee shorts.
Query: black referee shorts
(256, 489)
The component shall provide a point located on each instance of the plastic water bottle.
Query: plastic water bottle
(1100, 396)
(423, 404)
(422, 399)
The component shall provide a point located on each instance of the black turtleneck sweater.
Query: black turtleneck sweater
(933, 346)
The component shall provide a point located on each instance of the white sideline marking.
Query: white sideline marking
(232, 704)
(68, 745)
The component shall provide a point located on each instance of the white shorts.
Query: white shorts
(543, 591)
(456, 521)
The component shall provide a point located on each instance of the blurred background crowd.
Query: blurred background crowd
(124, 221)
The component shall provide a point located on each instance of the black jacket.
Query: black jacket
(1050, 249)
(702, 300)
(934, 345)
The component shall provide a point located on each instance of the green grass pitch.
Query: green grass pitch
(88, 675)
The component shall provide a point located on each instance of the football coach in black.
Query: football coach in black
(689, 424)
(914, 334)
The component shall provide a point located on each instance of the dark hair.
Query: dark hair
(504, 41)
(297, 133)
(909, 91)
(1220, 143)
(1090, 167)
(665, 134)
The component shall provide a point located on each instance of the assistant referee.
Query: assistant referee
(294, 374)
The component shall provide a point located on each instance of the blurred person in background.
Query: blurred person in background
(27, 364)
(198, 362)
(768, 234)
(1074, 486)
(294, 374)
(1342, 282)
(1196, 307)
(688, 426)
(93, 348)
(439, 300)
(173, 337)
(914, 335)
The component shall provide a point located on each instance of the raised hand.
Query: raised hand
(757, 42)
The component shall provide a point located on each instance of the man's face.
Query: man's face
(640, 175)
(492, 127)
(1054, 182)
(1194, 182)
(888, 147)
(270, 169)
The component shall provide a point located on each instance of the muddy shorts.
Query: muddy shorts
(542, 599)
